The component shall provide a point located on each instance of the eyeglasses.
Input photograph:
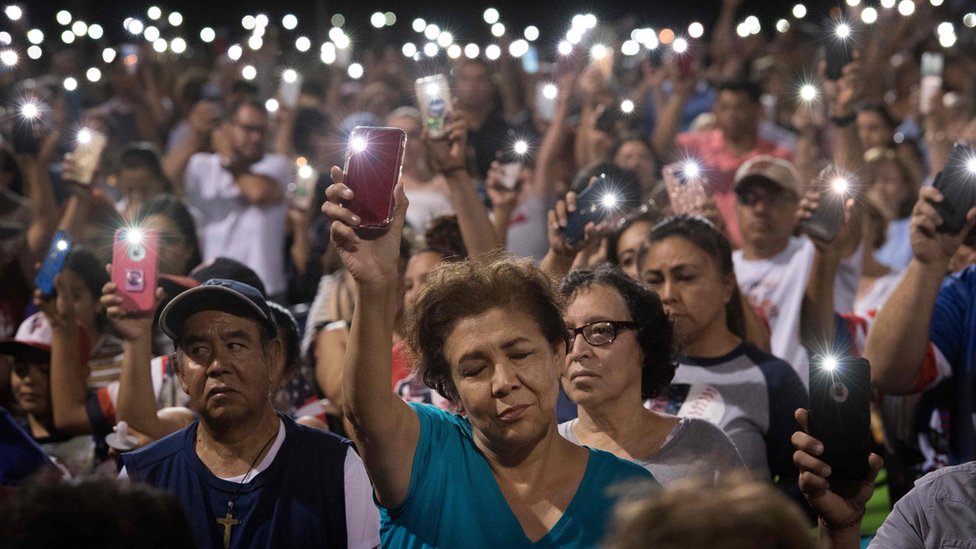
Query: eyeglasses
(600, 332)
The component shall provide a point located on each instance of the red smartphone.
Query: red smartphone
(374, 159)
(135, 263)
(686, 186)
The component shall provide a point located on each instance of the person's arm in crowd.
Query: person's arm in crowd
(723, 34)
(842, 96)
(757, 329)
(898, 341)
(511, 78)
(817, 309)
(284, 142)
(136, 403)
(839, 504)
(554, 141)
(43, 210)
(807, 122)
(385, 429)
(301, 247)
(591, 143)
(330, 338)
(503, 203)
(151, 120)
(69, 374)
(258, 189)
(669, 115)
(447, 157)
(203, 119)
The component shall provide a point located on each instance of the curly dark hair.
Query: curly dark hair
(656, 334)
(443, 235)
(703, 234)
(462, 289)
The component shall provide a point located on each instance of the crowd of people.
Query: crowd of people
(475, 374)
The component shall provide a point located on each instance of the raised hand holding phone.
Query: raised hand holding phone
(135, 258)
(374, 160)
(53, 263)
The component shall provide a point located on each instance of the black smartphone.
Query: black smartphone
(53, 264)
(838, 53)
(596, 203)
(373, 164)
(840, 413)
(28, 129)
(829, 215)
(957, 183)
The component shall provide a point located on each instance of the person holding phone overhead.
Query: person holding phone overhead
(237, 196)
(489, 335)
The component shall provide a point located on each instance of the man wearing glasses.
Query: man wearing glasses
(237, 196)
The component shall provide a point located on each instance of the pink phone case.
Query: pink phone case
(134, 269)
(372, 171)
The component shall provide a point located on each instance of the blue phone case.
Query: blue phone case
(53, 263)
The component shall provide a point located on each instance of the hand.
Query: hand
(929, 246)
(131, 326)
(447, 154)
(370, 262)
(502, 198)
(204, 118)
(836, 501)
(848, 235)
(59, 308)
(557, 220)
(842, 94)
(220, 141)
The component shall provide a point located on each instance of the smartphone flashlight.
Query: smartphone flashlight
(520, 147)
(433, 89)
(289, 75)
(30, 110)
(598, 52)
(808, 92)
(84, 136)
(133, 236)
(62, 245)
(609, 201)
(626, 106)
(306, 172)
(842, 31)
(840, 185)
(358, 144)
(971, 165)
(680, 45)
(550, 91)
(691, 169)
(829, 364)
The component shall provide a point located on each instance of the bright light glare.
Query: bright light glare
(419, 25)
(493, 52)
(95, 31)
(549, 91)
(782, 25)
(565, 48)
(843, 31)
(14, 13)
(62, 245)
(869, 15)
(454, 51)
(433, 89)
(175, 19)
(498, 30)
(598, 52)
(691, 169)
(271, 105)
(80, 28)
(696, 30)
(626, 106)
(491, 16)
(531, 33)
(84, 136)
(207, 34)
(108, 55)
(808, 92)
(154, 12)
(609, 201)
(680, 45)
(302, 43)
(358, 143)
(799, 11)
(409, 49)
(133, 236)
(289, 75)
(840, 185)
(830, 364)
(521, 147)
(34, 52)
(30, 110)
(63, 17)
(355, 71)
(177, 45)
(8, 57)
(430, 49)
(93, 74)
(378, 20)
(306, 172)
(289, 22)
(906, 7)
(135, 26)
(471, 51)
(70, 84)
(971, 165)
(35, 36)
(249, 72)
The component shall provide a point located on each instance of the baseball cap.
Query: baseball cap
(216, 294)
(230, 269)
(33, 339)
(769, 168)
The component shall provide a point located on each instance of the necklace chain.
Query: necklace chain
(240, 485)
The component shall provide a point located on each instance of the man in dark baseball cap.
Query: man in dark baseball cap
(241, 469)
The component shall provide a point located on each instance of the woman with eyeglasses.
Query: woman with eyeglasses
(621, 352)
(721, 377)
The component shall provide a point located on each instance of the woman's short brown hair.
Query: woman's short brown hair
(458, 290)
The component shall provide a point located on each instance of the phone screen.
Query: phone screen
(53, 264)
(840, 413)
(957, 183)
(373, 162)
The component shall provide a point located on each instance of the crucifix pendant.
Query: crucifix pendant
(228, 522)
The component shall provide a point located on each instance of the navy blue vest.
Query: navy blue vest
(299, 501)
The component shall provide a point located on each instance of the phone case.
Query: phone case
(53, 264)
(372, 173)
(135, 269)
(87, 154)
(827, 218)
(545, 107)
(510, 174)
(686, 194)
(301, 191)
(956, 184)
(840, 415)
(931, 82)
(838, 53)
(589, 208)
(289, 92)
(434, 98)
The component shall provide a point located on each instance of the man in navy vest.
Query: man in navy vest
(248, 476)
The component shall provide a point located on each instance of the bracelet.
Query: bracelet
(834, 527)
(842, 121)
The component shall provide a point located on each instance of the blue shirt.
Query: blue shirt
(454, 500)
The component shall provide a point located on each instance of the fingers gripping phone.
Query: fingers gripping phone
(53, 264)
(957, 183)
(135, 262)
(840, 415)
(596, 203)
(685, 186)
(829, 215)
(374, 160)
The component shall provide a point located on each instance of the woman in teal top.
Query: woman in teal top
(488, 335)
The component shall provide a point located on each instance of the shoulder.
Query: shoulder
(953, 482)
(609, 468)
(157, 452)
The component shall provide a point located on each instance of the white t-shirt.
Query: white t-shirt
(776, 286)
(230, 226)
(362, 516)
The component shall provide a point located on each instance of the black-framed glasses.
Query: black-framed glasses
(601, 332)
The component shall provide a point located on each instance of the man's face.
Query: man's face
(736, 114)
(766, 213)
(248, 130)
(872, 130)
(474, 86)
(225, 368)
